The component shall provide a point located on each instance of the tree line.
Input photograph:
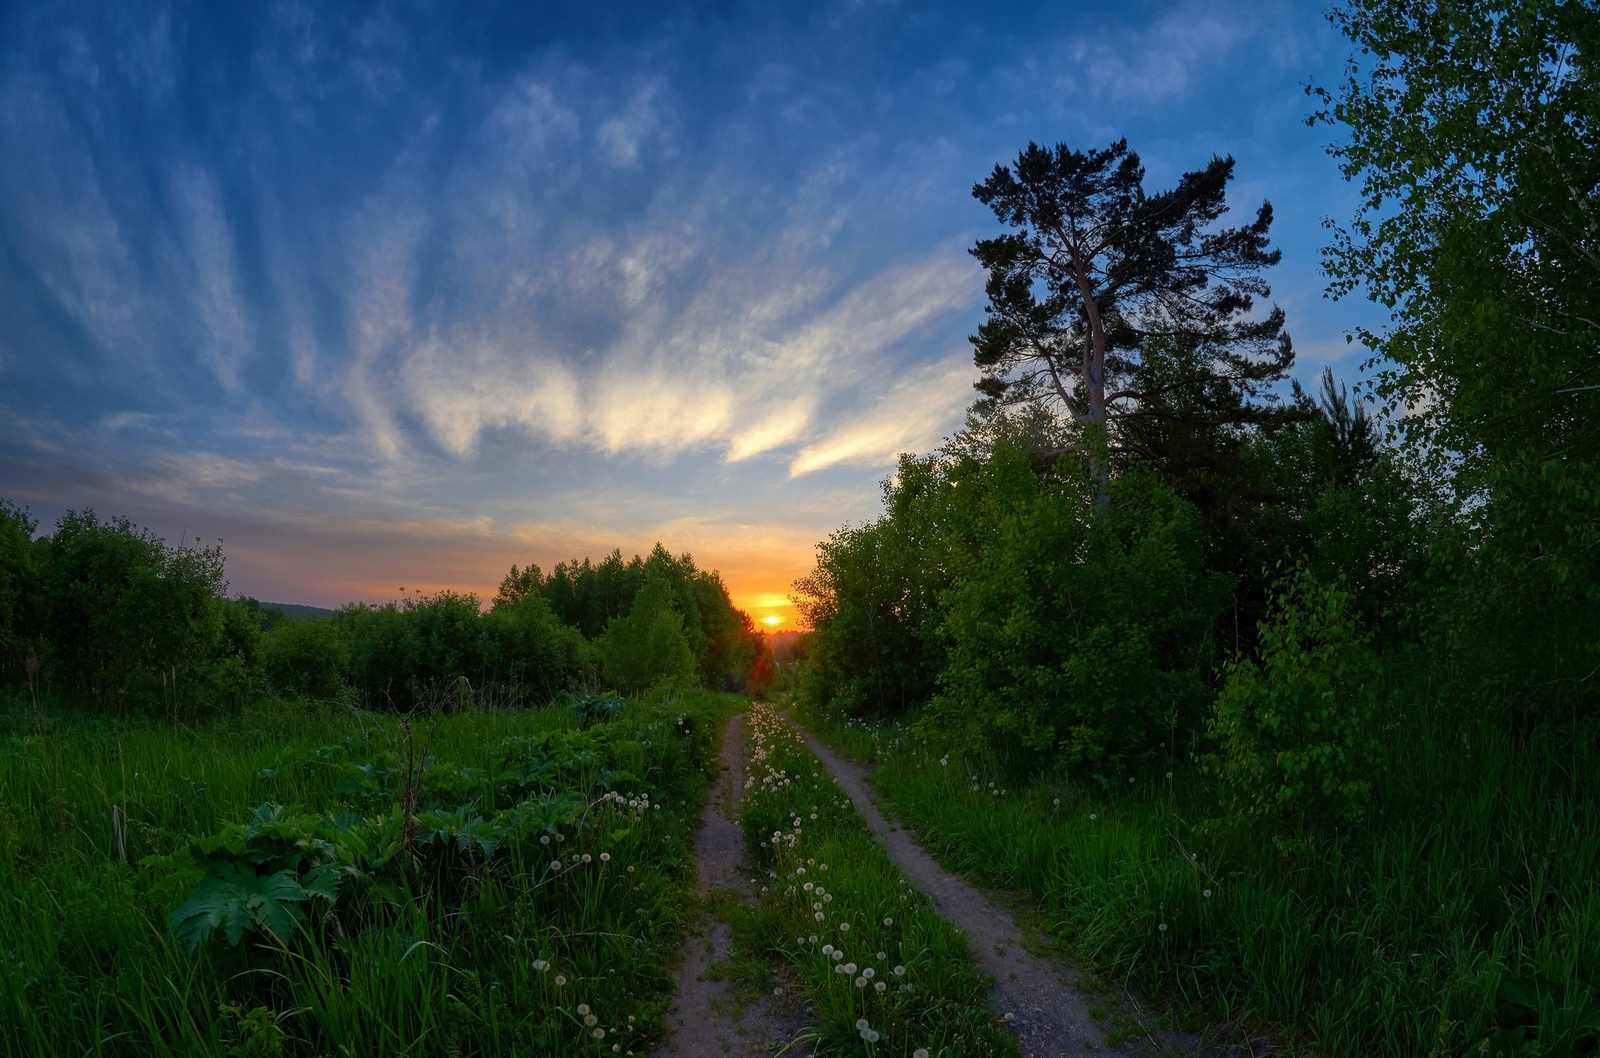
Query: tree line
(1147, 537)
(124, 621)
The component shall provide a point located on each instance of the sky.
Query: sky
(402, 294)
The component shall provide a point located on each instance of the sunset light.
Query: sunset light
(772, 620)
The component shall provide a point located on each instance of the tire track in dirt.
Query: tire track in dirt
(1038, 996)
(706, 1018)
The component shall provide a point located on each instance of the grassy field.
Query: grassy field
(1468, 911)
(885, 973)
(296, 880)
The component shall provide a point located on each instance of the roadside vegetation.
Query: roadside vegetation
(426, 827)
(1282, 703)
(295, 880)
(884, 972)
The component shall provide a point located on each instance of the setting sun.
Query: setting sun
(772, 619)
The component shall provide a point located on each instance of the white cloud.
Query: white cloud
(225, 338)
(912, 417)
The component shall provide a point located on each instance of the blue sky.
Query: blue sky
(401, 294)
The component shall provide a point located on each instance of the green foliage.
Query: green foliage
(1296, 731)
(647, 646)
(1347, 507)
(1474, 132)
(590, 595)
(21, 584)
(1082, 635)
(1545, 1017)
(521, 641)
(131, 620)
(235, 899)
(383, 890)
(1390, 940)
(306, 656)
(385, 651)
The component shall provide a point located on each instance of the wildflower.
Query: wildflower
(861, 1023)
(882, 956)
(560, 980)
(868, 973)
(837, 954)
(555, 865)
(1206, 893)
(1092, 817)
(598, 1034)
(586, 857)
(583, 1008)
(879, 986)
(1010, 1016)
(1057, 801)
(812, 939)
(827, 949)
(540, 964)
(888, 921)
(1162, 927)
(861, 982)
(630, 868)
(605, 857)
(818, 916)
(849, 967)
(899, 971)
(1169, 775)
(844, 927)
(920, 1052)
(544, 839)
(591, 1021)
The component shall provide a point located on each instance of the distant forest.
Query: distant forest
(122, 621)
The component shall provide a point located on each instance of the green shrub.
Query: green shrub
(306, 656)
(521, 641)
(1080, 632)
(384, 652)
(130, 619)
(1296, 732)
(21, 578)
(648, 645)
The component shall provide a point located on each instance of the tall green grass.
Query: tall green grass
(498, 961)
(1480, 863)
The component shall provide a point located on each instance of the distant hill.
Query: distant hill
(294, 609)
